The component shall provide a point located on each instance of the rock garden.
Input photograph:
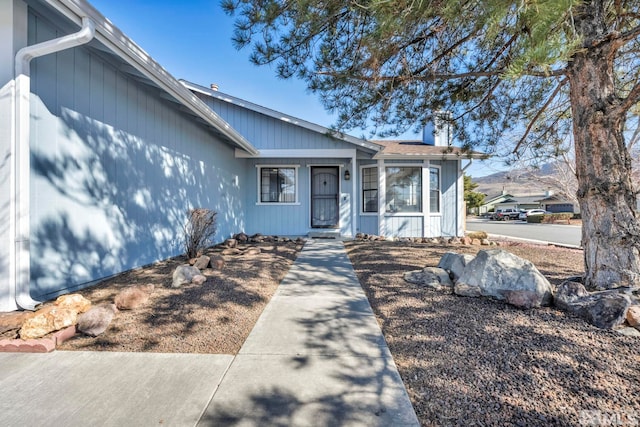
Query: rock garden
(205, 304)
(504, 354)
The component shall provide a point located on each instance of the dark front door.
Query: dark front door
(324, 197)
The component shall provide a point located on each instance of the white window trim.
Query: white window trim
(439, 167)
(259, 176)
(422, 166)
(361, 190)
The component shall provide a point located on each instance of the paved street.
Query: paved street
(549, 233)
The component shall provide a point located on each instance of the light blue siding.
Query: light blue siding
(368, 224)
(404, 226)
(450, 211)
(291, 220)
(269, 133)
(114, 170)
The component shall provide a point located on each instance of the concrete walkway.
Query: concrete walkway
(316, 357)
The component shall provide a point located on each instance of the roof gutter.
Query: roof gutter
(20, 270)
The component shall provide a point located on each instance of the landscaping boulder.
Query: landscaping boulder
(134, 296)
(47, 320)
(198, 279)
(202, 262)
(431, 277)
(604, 309)
(633, 316)
(74, 302)
(183, 275)
(231, 251)
(13, 320)
(217, 262)
(95, 321)
(241, 238)
(231, 243)
(455, 263)
(499, 274)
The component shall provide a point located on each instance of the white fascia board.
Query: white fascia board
(300, 154)
(111, 36)
(281, 116)
(380, 156)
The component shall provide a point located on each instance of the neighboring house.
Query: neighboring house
(490, 202)
(557, 204)
(102, 152)
(520, 202)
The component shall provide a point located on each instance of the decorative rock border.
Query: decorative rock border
(39, 345)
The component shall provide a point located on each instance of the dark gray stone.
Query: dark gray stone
(604, 309)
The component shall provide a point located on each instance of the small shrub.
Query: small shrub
(554, 217)
(536, 219)
(477, 235)
(199, 230)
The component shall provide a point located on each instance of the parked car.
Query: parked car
(532, 212)
(505, 214)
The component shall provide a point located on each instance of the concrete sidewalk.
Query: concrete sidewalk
(316, 357)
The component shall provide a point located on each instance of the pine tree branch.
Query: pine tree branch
(539, 113)
(632, 98)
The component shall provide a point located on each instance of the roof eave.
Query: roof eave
(382, 156)
(109, 35)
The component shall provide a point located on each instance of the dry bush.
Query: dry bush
(199, 230)
(477, 235)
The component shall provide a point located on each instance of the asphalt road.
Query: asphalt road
(549, 233)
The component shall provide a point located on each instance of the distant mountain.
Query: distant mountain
(515, 182)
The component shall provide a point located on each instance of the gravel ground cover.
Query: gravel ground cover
(215, 317)
(477, 362)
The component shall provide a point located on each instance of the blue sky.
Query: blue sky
(192, 40)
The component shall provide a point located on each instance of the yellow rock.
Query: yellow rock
(47, 320)
(74, 301)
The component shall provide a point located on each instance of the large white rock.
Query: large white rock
(499, 274)
(183, 275)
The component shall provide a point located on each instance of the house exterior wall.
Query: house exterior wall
(268, 133)
(114, 170)
(292, 219)
(420, 224)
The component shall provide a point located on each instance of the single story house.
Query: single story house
(490, 202)
(520, 202)
(554, 203)
(102, 152)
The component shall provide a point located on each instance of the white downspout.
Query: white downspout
(20, 270)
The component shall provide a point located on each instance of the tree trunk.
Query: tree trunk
(610, 224)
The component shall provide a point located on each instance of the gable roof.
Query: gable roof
(407, 149)
(144, 68)
(361, 143)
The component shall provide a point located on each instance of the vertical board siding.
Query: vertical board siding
(435, 227)
(450, 211)
(269, 133)
(114, 170)
(291, 220)
(368, 224)
(405, 226)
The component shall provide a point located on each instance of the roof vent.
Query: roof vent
(214, 86)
